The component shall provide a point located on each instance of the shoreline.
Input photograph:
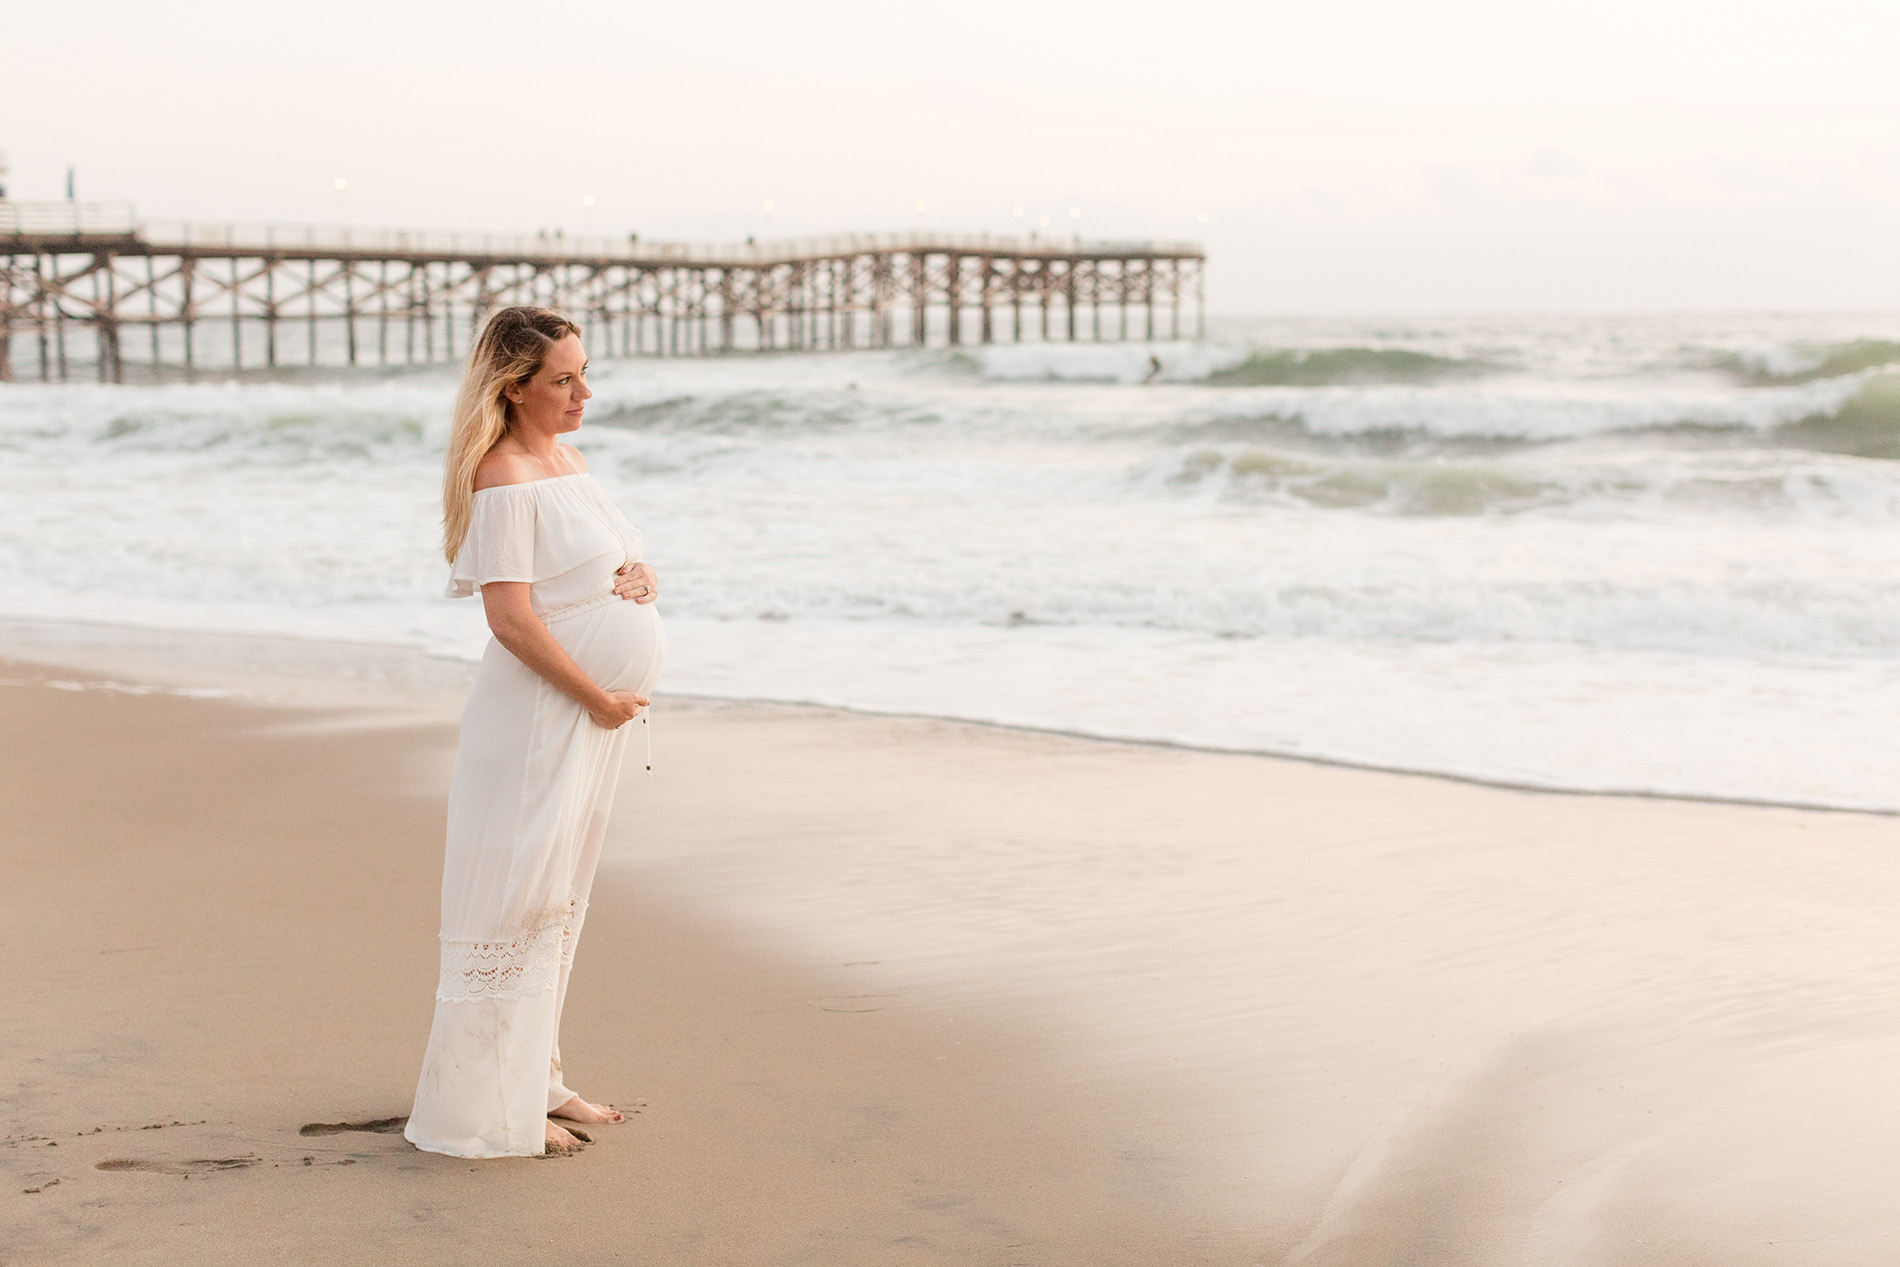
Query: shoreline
(333, 646)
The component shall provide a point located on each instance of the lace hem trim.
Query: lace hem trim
(515, 968)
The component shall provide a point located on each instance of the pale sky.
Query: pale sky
(1355, 156)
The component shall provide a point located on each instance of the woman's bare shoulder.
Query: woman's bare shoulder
(501, 466)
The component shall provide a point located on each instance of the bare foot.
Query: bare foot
(561, 1142)
(579, 1110)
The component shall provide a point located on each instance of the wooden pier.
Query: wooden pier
(89, 287)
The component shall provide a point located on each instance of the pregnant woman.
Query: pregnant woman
(571, 663)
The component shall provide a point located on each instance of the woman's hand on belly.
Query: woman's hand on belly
(516, 627)
(617, 708)
(638, 582)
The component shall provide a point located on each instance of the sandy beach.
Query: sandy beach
(888, 990)
(1288, 659)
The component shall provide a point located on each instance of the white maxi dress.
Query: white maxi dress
(528, 804)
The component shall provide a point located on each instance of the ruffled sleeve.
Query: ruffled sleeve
(500, 541)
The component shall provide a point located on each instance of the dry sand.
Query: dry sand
(891, 991)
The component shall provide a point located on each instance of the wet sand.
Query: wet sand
(890, 990)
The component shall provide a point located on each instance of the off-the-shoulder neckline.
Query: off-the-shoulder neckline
(547, 479)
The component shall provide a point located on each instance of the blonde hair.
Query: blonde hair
(511, 351)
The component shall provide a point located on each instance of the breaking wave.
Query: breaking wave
(1346, 367)
(1806, 363)
(1866, 425)
(1748, 485)
(1854, 415)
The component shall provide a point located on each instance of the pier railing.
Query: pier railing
(58, 219)
(89, 272)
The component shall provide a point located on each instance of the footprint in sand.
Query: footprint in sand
(854, 1003)
(200, 1166)
(376, 1126)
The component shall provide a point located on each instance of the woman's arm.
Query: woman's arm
(517, 628)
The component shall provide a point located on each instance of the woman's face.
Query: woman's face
(553, 400)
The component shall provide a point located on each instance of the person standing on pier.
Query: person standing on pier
(570, 664)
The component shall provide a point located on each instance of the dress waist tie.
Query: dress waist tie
(565, 610)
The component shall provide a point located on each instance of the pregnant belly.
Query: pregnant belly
(619, 644)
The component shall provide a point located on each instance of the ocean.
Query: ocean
(1621, 554)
